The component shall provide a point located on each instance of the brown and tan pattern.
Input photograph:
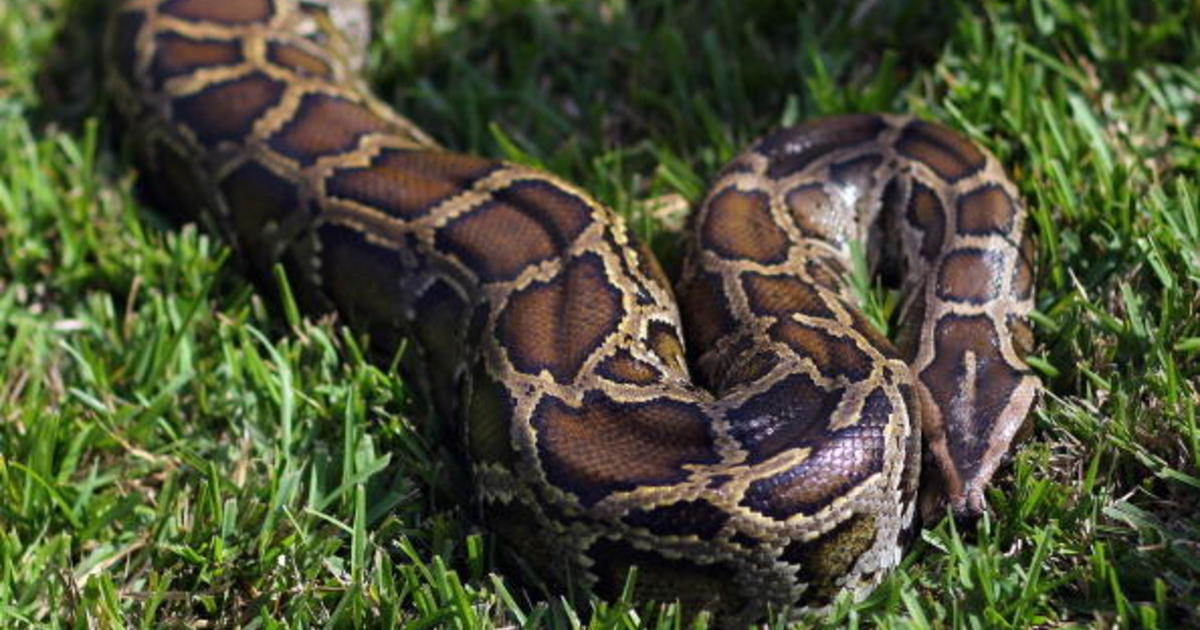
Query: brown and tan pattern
(782, 471)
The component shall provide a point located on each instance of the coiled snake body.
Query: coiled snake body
(777, 467)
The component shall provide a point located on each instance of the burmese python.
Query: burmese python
(778, 469)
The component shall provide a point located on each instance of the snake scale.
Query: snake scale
(773, 463)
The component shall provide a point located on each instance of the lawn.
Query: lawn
(175, 452)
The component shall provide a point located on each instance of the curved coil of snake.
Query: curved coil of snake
(775, 463)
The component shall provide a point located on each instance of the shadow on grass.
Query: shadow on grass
(70, 80)
(681, 74)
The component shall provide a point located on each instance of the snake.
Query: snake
(745, 437)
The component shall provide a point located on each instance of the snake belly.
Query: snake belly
(779, 469)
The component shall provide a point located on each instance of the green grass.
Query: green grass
(174, 452)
